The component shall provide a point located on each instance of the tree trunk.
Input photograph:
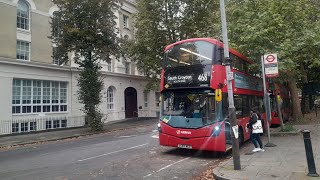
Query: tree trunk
(311, 102)
(305, 104)
(296, 108)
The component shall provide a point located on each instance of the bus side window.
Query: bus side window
(219, 55)
(238, 106)
(225, 105)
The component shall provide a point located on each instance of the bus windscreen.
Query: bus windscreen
(191, 53)
(189, 110)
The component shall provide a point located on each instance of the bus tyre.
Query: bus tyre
(241, 138)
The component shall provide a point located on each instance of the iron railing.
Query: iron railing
(30, 124)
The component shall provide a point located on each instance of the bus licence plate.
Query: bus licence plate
(184, 146)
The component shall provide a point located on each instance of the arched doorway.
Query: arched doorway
(130, 98)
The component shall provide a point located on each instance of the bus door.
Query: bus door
(219, 116)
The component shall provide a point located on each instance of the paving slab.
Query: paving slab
(285, 161)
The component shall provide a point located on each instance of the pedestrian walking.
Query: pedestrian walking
(255, 126)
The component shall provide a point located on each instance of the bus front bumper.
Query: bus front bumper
(198, 143)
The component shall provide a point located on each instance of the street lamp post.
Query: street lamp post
(229, 75)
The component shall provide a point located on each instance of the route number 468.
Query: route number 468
(203, 77)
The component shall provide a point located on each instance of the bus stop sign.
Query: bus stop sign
(270, 59)
(271, 65)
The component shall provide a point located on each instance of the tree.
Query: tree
(87, 28)
(288, 28)
(162, 22)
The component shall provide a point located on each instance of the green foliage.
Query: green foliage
(87, 28)
(162, 22)
(288, 28)
(90, 86)
(288, 128)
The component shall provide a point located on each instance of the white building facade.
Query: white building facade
(37, 94)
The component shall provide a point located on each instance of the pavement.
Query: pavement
(9, 141)
(286, 161)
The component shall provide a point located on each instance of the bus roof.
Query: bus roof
(212, 41)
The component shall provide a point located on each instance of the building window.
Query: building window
(157, 99)
(15, 127)
(55, 59)
(125, 21)
(48, 124)
(109, 66)
(23, 50)
(146, 98)
(26, 96)
(56, 27)
(110, 99)
(56, 32)
(64, 123)
(35, 96)
(24, 127)
(23, 15)
(63, 93)
(55, 92)
(127, 67)
(54, 124)
(33, 126)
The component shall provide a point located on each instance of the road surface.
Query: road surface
(126, 154)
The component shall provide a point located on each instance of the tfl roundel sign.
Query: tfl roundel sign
(271, 65)
(270, 59)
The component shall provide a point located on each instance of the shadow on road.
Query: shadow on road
(196, 153)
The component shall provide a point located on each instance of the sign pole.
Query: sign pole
(266, 103)
(229, 75)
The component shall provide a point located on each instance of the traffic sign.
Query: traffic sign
(271, 65)
(271, 70)
(270, 59)
(235, 130)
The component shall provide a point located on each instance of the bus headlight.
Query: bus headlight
(216, 130)
(159, 128)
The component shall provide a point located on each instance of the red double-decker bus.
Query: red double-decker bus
(192, 115)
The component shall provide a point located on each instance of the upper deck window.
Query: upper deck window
(190, 53)
(239, 64)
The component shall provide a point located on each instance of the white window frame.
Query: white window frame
(24, 127)
(55, 60)
(146, 98)
(14, 128)
(110, 97)
(59, 123)
(62, 100)
(127, 68)
(125, 21)
(29, 15)
(34, 126)
(157, 97)
(109, 66)
(24, 51)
